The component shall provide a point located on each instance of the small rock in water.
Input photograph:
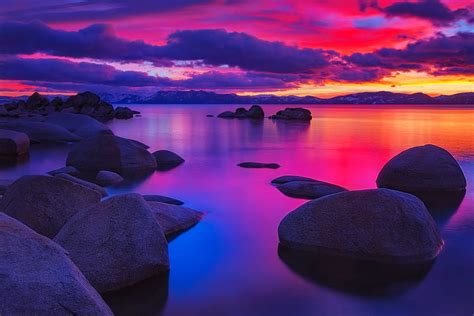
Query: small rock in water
(45, 203)
(174, 219)
(116, 243)
(376, 225)
(210, 115)
(226, 114)
(258, 165)
(293, 114)
(123, 113)
(425, 168)
(309, 189)
(166, 160)
(39, 278)
(68, 170)
(162, 199)
(255, 112)
(87, 184)
(13, 143)
(106, 178)
(285, 179)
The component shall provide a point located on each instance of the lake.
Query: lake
(229, 264)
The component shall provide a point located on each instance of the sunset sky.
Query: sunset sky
(320, 47)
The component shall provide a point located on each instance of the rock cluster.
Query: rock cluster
(293, 114)
(255, 112)
(86, 103)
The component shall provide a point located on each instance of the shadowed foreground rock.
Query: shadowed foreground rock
(45, 203)
(293, 114)
(87, 184)
(422, 169)
(41, 132)
(106, 178)
(81, 125)
(13, 143)
(39, 278)
(286, 179)
(68, 170)
(162, 199)
(116, 243)
(255, 112)
(113, 153)
(166, 160)
(309, 189)
(259, 165)
(377, 225)
(174, 219)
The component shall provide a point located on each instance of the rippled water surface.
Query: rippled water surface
(229, 264)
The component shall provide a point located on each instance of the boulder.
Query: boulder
(68, 170)
(293, 114)
(87, 184)
(258, 165)
(81, 100)
(4, 184)
(57, 103)
(81, 125)
(13, 143)
(424, 168)
(166, 160)
(106, 178)
(116, 243)
(255, 112)
(174, 219)
(45, 203)
(41, 131)
(309, 189)
(161, 198)
(108, 152)
(378, 225)
(36, 101)
(226, 114)
(123, 113)
(39, 278)
(286, 179)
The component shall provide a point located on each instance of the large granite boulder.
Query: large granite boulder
(81, 125)
(174, 219)
(80, 100)
(309, 189)
(85, 183)
(41, 131)
(166, 160)
(422, 169)
(109, 152)
(376, 225)
(39, 278)
(45, 203)
(13, 143)
(286, 179)
(116, 243)
(293, 114)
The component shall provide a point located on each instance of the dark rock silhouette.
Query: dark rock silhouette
(166, 160)
(378, 225)
(293, 114)
(424, 168)
(259, 165)
(286, 179)
(255, 112)
(108, 152)
(309, 189)
(123, 113)
(13, 143)
(69, 170)
(39, 278)
(45, 203)
(162, 199)
(116, 243)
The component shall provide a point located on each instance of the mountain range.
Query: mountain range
(205, 97)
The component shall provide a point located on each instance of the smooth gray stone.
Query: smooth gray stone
(41, 132)
(13, 143)
(377, 225)
(166, 160)
(87, 184)
(39, 278)
(81, 125)
(162, 199)
(107, 178)
(116, 243)
(45, 203)
(309, 189)
(174, 219)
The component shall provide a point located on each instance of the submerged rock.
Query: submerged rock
(294, 114)
(309, 189)
(116, 243)
(424, 168)
(255, 112)
(45, 203)
(162, 199)
(106, 178)
(39, 278)
(258, 165)
(113, 153)
(286, 179)
(174, 219)
(377, 225)
(166, 160)
(13, 143)
(87, 184)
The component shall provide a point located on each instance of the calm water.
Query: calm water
(228, 264)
